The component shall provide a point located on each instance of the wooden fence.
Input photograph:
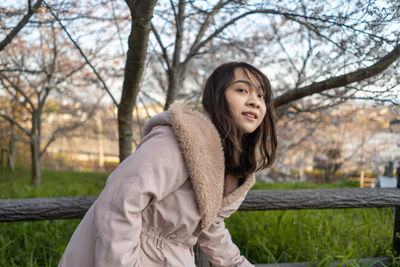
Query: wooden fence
(364, 181)
(31, 209)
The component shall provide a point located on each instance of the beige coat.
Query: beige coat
(161, 200)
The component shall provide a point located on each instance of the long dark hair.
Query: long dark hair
(244, 153)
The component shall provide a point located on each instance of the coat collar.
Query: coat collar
(204, 157)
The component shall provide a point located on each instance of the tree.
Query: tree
(6, 41)
(79, 66)
(141, 14)
(330, 51)
(31, 74)
(13, 134)
(347, 138)
(321, 46)
(189, 34)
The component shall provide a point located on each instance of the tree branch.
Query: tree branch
(60, 131)
(206, 23)
(82, 54)
(26, 98)
(339, 81)
(162, 46)
(23, 70)
(288, 15)
(14, 122)
(179, 18)
(20, 25)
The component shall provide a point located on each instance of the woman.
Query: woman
(191, 170)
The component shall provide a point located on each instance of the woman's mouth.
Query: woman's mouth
(250, 115)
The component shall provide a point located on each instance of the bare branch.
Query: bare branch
(312, 29)
(82, 54)
(151, 98)
(288, 56)
(206, 23)
(179, 32)
(18, 89)
(291, 16)
(14, 122)
(117, 26)
(69, 74)
(62, 130)
(21, 24)
(162, 46)
(301, 74)
(23, 70)
(339, 81)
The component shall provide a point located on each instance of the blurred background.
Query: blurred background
(64, 67)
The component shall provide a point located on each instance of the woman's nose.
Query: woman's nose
(253, 100)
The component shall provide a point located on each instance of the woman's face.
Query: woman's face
(246, 101)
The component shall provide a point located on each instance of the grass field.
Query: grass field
(272, 236)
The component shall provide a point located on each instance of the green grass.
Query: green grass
(324, 235)
(271, 236)
(41, 243)
(312, 235)
(17, 184)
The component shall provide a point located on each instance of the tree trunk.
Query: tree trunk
(11, 152)
(35, 155)
(141, 13)
(173, 77)
(175, 83)
(175, 73)
(35, 148)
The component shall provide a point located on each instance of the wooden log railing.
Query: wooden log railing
(31, 209)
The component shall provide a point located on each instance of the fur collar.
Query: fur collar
(204, 157)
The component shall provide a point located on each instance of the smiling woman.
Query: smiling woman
(239, 100)
(191, 170)
(246, 101)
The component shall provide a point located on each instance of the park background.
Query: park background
(78, 79)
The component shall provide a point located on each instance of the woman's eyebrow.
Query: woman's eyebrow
(243, 81)
(259, 89)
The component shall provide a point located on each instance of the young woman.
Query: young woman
(191, 170)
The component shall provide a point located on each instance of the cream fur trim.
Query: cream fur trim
(202, 150)
(204, 157)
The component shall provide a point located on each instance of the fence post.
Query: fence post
(396, 231)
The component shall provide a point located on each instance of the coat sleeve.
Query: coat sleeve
(217, 244)
(155, 170)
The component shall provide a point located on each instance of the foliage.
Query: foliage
(272, 236)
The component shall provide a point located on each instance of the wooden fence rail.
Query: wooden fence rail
(32, 209)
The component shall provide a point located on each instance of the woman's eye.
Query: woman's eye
(261, 96)
(241, 90)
